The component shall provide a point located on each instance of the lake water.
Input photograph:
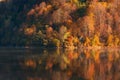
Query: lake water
(52, 64)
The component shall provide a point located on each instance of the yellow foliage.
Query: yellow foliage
(95, 41)
(105, 4)
(96, 55)
(110, 40)
(66, 60)
(70, 42)
(75, 40)
(74, 1)
(66, 35)
(78, 3)
(56, 42)
(116, 41)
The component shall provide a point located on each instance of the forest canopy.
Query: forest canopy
(60, 23)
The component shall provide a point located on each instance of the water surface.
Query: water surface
(52, 64)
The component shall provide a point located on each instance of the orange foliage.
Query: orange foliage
(69, 73)
(31, 12)
(110, 40)
(49, 29)
(87, 53)
(49, 65)
(100, 17)
(30, 31)
(90, 71)
(70, 56)
(97, 57)
(30, 63)
(40, 9)
(87, 42)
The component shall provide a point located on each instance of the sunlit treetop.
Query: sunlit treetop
(2, 0)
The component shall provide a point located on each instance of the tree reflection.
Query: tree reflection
(73, 65)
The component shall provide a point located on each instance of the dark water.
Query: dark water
(51, 64)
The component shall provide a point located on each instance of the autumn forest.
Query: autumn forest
(59, 39)
(60, 23)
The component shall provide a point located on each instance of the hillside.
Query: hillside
(60, 23)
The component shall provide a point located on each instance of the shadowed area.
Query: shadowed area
(52, 64)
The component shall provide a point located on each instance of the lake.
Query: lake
(59, 64)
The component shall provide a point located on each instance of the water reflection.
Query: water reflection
(82, 64)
